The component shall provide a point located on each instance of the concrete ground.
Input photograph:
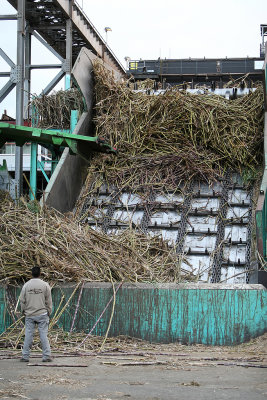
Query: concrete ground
(151, 372)
(118, 377)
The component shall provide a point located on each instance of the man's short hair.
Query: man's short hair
(36, 272)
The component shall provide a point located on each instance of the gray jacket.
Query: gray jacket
(35, 298)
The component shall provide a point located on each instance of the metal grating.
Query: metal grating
(184, 220)
(249, 236)
(218, 256)
(211, 226)
(148, 209)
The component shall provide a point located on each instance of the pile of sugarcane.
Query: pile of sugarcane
(66, 344)
(165, 138)
(67, 251)
(174, 136)
(54, 111)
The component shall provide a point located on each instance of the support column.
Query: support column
(68, 62)
(73, 120)
(27, 79)
(33, 174)
(19, 90)
(265, 84)
(27, 90)
(264, 178)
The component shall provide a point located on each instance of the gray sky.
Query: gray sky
(152, 29)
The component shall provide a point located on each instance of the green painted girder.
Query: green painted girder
(78, 144)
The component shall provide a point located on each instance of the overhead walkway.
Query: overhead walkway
(51, 26)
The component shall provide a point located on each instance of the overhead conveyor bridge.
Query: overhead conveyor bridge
(62, 21)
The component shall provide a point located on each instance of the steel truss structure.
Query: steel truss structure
(63, 28)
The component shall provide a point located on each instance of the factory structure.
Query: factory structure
(53, 161)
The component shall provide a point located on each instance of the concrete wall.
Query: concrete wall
(214, 314)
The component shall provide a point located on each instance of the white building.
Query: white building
(7, 152)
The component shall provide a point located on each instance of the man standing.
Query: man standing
(36, 304)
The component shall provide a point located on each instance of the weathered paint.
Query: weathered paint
(260, 228)
(194, 313)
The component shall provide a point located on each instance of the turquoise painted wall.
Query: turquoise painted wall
(208, 314)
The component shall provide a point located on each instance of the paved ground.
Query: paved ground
(181, 372)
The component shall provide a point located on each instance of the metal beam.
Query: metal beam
(6, 90)
(68, 62)
(74, 117)
(40, 165)
(10, 84)
(27, 78)
(27, 88)
(48, 27)
(45, 66)
(33, 172)
(20, 89)
(6, 58)
(41, 40)
(78, 144)
(69, 46)
(8, 17)
(54, 82)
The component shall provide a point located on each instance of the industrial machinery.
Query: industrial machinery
(212, 225)
(194, 72)
(199, 223)
(77, 144)
(64, 30)
(197, 72)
